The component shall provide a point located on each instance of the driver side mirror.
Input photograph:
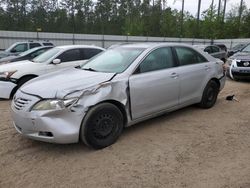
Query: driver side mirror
(56, 61)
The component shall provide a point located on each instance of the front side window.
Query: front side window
(70, 55)
(46, 55)
(114, 60)
(159, 59)
(187, 56)
(208, 50)
(20, 48)
(215, 49)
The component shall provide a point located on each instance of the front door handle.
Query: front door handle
(207, 68)
(174, 75)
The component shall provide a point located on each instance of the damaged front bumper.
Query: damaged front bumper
(54, 126)
(6, 87)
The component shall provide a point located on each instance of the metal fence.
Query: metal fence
(9, 37)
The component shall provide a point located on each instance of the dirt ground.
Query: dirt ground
(188, 148)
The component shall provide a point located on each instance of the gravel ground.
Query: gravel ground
(187, 148)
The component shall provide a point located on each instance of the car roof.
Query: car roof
(78, 46)
(153, 45)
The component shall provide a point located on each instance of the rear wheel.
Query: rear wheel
(102, 126)
(210, 95)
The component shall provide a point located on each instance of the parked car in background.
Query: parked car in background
(214, 51)
(222, 46)
(116, 89)
(239, 64)
(20, 47)
(14, 75)
(27, 55)
(237, 48)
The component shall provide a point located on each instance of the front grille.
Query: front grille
(241, 64)
(21, 103)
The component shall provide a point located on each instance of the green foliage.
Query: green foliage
(120, 17)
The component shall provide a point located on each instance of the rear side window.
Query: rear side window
(33, 45)
(159, 59)
(188, 56)
(70, 55)
(48, 44)
(90, 52)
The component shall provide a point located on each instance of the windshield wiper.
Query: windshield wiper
(90, 69)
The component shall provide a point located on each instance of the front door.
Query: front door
(155, 84)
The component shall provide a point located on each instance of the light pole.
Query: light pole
(198, 18)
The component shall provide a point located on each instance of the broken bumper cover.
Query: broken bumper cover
(6, 87)
(61, 126)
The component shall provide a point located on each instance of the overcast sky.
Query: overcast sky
(192, 5)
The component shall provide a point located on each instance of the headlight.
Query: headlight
(7, 74)
(54, 104)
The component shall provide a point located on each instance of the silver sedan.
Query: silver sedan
(118, 88)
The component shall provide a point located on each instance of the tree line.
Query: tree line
(123, 17)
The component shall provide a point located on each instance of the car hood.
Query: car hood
(4, 54)
(59, 84)
(8, 58)
(241, 56)
(13, 66)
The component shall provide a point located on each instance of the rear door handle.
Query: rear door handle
(174, 75)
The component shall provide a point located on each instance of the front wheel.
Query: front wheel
(102, 126)
(210, 95)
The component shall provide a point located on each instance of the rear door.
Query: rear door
(155, 84)
(193, 74)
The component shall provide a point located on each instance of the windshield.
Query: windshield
(9, 49)
(246, 49)
(46, 55)
(114, 60)
(28, 51)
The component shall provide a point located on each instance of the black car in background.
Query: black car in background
(27, 55)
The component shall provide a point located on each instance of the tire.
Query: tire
(19, 84)
(210, 95)
(102, 126)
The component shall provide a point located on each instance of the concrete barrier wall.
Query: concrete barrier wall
(9, 37)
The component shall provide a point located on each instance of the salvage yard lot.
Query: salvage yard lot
(188, 148)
